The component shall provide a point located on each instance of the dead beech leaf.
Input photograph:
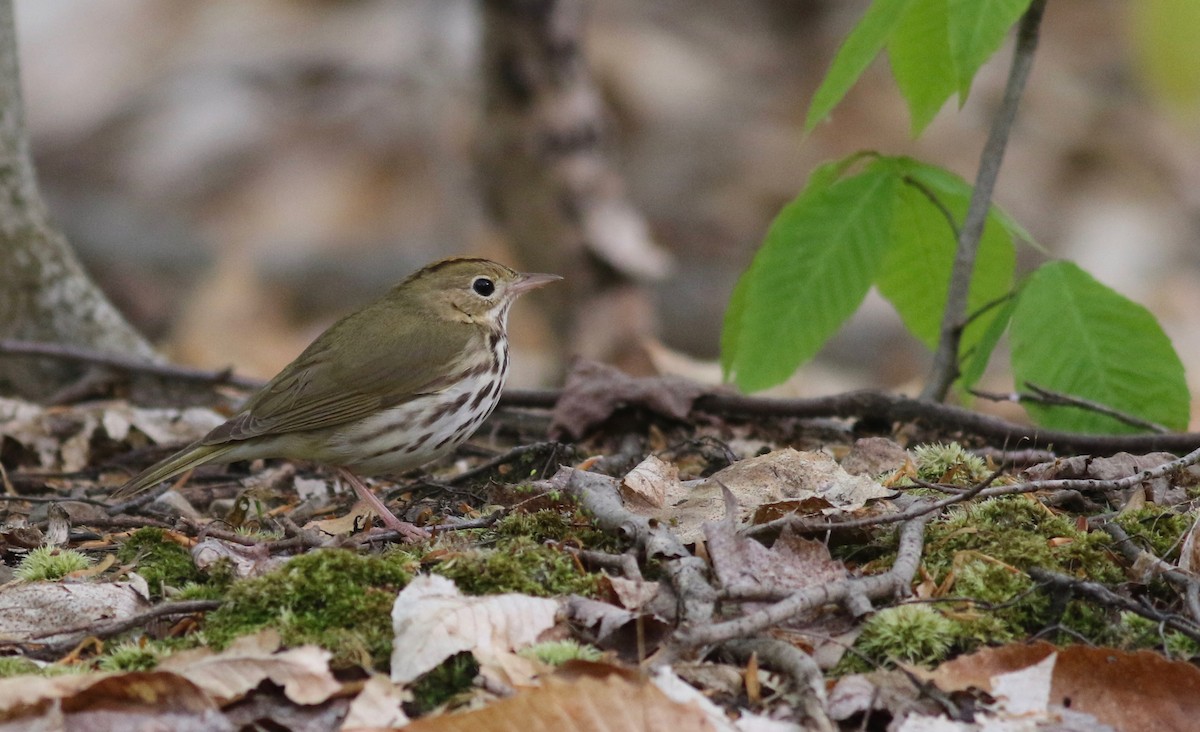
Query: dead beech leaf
(41, 611)
(433, 621)
(647, 485)
(632, 594)
(61, 437)
(593, 391)
(790, 564)
(588, 704)
(377, 705)
(1128, 691)
(303, 672)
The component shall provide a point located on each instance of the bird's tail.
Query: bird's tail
(167, 468)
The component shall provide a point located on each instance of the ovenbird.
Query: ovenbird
(399, 383)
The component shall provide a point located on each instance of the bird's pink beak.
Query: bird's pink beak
(532, 281)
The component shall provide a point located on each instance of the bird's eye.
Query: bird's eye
(483, 286)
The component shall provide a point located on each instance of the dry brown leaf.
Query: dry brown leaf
(874, 456)
(102, 701)
(42, 610)
(792, 563)
(303, 672)
(377, 705)
(61, 438)
(593, 391)
(646, 486)
(1129, 691)
(588, 704)
(632, 594)
(433, 621)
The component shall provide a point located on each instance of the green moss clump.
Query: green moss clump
(454, 676)
(570, 527)
(49, 564)
(519, 565)
(911, 633)
(160, 561)
(981, 552)
(130, 657)
(949, 463)
(1136, 631)
(556, 653)
(1159, 530)
(17, 666)
(337, 599)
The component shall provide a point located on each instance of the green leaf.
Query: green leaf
(915, 276)
(1073, 335)
(944, 181)
(919, 51)
(811, 274)
(856, 53)
(976, 29)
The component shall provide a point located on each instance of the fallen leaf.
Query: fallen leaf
(792, 563)
(593, 391)
(379, 704)
(1128, 691)
(433, 621)
(41, 611)
(303, 672)
(247, 561)
(608, 703)
(874, 456)
(647, 485)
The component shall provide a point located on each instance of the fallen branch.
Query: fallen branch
(895, 581)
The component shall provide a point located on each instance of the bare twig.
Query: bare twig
(686, 574)
(882, 406)
(895, 581)
(115, 627)
(127, 364)
(945, 361)
(1102, 594)
(791, 662)
(1041, 395)
(1136, 555)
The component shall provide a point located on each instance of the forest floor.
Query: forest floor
(624, 554)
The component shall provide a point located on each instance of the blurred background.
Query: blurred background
(237, 174)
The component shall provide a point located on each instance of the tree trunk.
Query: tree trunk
(549, 184)
(45, 295)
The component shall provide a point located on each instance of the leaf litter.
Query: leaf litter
(709, 483)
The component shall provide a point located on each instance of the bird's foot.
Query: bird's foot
(410, 532)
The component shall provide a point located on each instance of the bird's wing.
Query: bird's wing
(382, 367)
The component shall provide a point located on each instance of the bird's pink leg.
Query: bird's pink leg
(408, 531)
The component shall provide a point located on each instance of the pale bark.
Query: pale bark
(45, 295)
(550, 184)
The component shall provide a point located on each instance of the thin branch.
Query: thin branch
(895, 581)
(1054, 398)
(111, 628)
(1102, 594)
(937, 202)
(127, 364)
(1189, 584)
(945, 362)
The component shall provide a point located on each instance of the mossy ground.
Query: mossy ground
(335, 598)
(979, 553)
(163, 563)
